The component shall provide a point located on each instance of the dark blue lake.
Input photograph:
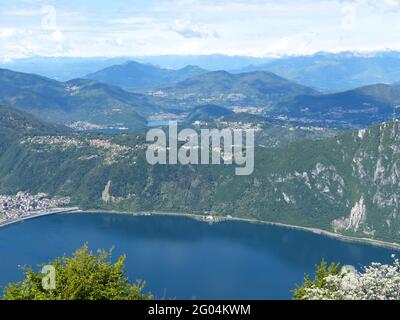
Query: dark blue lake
(183, 258)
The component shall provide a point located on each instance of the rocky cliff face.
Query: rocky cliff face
(354, 221)
(353, 180)
(348, 184)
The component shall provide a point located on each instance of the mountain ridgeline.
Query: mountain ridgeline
(335, 71)
(75, 100)
(349, 184)
(325, 71)
(261, 89)
(132, 74)
(278, 99)
(93, 104)
(360, 107)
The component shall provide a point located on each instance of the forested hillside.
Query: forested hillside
(349, 183)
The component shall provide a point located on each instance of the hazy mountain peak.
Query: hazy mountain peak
(75, 100)
(133, 74)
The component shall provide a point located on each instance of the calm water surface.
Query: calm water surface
(183, 258)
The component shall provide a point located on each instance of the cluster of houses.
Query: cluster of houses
(23, 204)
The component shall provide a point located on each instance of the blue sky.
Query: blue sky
(158, 27)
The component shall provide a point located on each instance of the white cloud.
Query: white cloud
(22, 12)
(251, 27)
(49, 19)
(57, 36)
(349, 18)
(189, 30)
(381, 5)
(6, 33)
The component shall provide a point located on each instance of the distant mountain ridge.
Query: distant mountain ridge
(223, 88)
(358, 108)
(61, 68)
(389, 93)
(75, 100)
(336, 71)
(133, 75)
(323, 71)
(68, 68)
(100, 105)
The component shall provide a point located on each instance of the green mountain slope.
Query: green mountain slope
(19, 123)
(355, 108)
(261, 89)
(348, 184)
(267, 133)
(15, 124)
(384, 92)
(75, 100)
(207, 112)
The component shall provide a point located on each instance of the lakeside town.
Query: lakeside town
(21, 205)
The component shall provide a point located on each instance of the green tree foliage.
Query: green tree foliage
(322, 271)
(84, 276)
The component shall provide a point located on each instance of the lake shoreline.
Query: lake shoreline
(34, 215)
(203, 218)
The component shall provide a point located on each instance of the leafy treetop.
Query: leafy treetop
(84, 276)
